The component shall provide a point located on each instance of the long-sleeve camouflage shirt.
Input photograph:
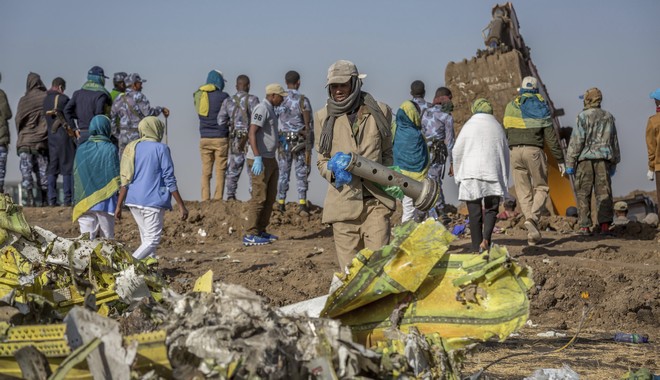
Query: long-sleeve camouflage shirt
(423, 104)
(231, 116)
(129, 108)
(438, 125)
(593, 138)
(290, 114)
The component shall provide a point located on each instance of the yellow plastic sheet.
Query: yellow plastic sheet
(462, 297)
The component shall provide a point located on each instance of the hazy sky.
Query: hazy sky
(173, 44)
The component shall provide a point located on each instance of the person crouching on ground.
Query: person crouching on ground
(148, 184)
(481, 163)
(96, 181)
(263, 138)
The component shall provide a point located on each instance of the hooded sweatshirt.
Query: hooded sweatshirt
(30, 117)
(5, 115)
(208, 101)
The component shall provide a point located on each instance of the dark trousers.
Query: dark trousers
(482, 223)
(264, 192)
(593, 176)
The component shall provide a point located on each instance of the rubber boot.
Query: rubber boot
(52, 190)
(44, 198)
(67, 185)
(29, 199)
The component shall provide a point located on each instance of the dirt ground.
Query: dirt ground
(620, 273)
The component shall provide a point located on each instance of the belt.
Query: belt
(523, 146)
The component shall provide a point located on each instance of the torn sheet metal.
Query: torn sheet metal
(414, 282)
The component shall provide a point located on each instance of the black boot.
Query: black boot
(44, 198)
(29, 199)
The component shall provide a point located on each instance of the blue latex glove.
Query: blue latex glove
(570, 171)
(283, 142)
(338, 164)
(257, 166)
(612, 170)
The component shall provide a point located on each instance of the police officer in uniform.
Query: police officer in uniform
(296, 140)
(235, 115)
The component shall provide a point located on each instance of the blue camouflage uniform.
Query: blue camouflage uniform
(129, 108)
(438, 129)
(294, 144)
(233, 117)
(423, 104)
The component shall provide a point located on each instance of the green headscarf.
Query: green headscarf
(151, 129)
(481, 105)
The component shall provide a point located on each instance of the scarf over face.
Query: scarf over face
(96, 168)
(214, 81)
(410, 150)
(151, 129)
(348, 106)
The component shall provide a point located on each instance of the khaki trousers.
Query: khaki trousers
(213, 151)
(593, 176)
(264, 192)
(370, 230)
(530, 176)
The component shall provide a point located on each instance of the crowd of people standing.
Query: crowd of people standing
(107, 148)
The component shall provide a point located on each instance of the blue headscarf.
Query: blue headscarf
(215, 78)
(96, 79)
(409, 148)
(95, 168)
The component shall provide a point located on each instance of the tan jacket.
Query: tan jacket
(653, 142)
(346, 203)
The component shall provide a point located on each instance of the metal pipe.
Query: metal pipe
(424, 193)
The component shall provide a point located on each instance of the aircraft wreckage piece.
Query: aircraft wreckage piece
(414, 282)
(39, 267)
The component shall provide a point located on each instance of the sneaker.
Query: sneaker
(584, 231)
(268, 236)
(605, 229)
(250, 240)
(231, 198)
(533, 232)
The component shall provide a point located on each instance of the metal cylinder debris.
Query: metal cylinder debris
(424, 193)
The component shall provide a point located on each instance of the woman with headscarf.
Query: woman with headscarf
(96, 181)
(481, 170)
(410, 151)
(148, 184)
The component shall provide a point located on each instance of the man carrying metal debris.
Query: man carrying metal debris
(32, 142)
(296, 134)
(652, 143)
(263, 139)
(352, 121)
(438, 128)
(592, 156)
(235, 116)
(528, 126)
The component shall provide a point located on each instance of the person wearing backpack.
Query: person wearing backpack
(214, 139)
(295, 132)
(235, 116)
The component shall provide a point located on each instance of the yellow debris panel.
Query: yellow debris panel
(462, 297)
(204, 283)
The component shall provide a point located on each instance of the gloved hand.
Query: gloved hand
(562, 169)
(283, 142)
(338, 164)
(570, 171)
(650, 175)
(257, 166)
(612, 170)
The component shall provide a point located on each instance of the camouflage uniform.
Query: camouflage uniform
(594, 151)
(438, 129)
(423, 104)
(291, 125)
(37, 163)
(129, 108)
(3, 165)
(232, 116)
